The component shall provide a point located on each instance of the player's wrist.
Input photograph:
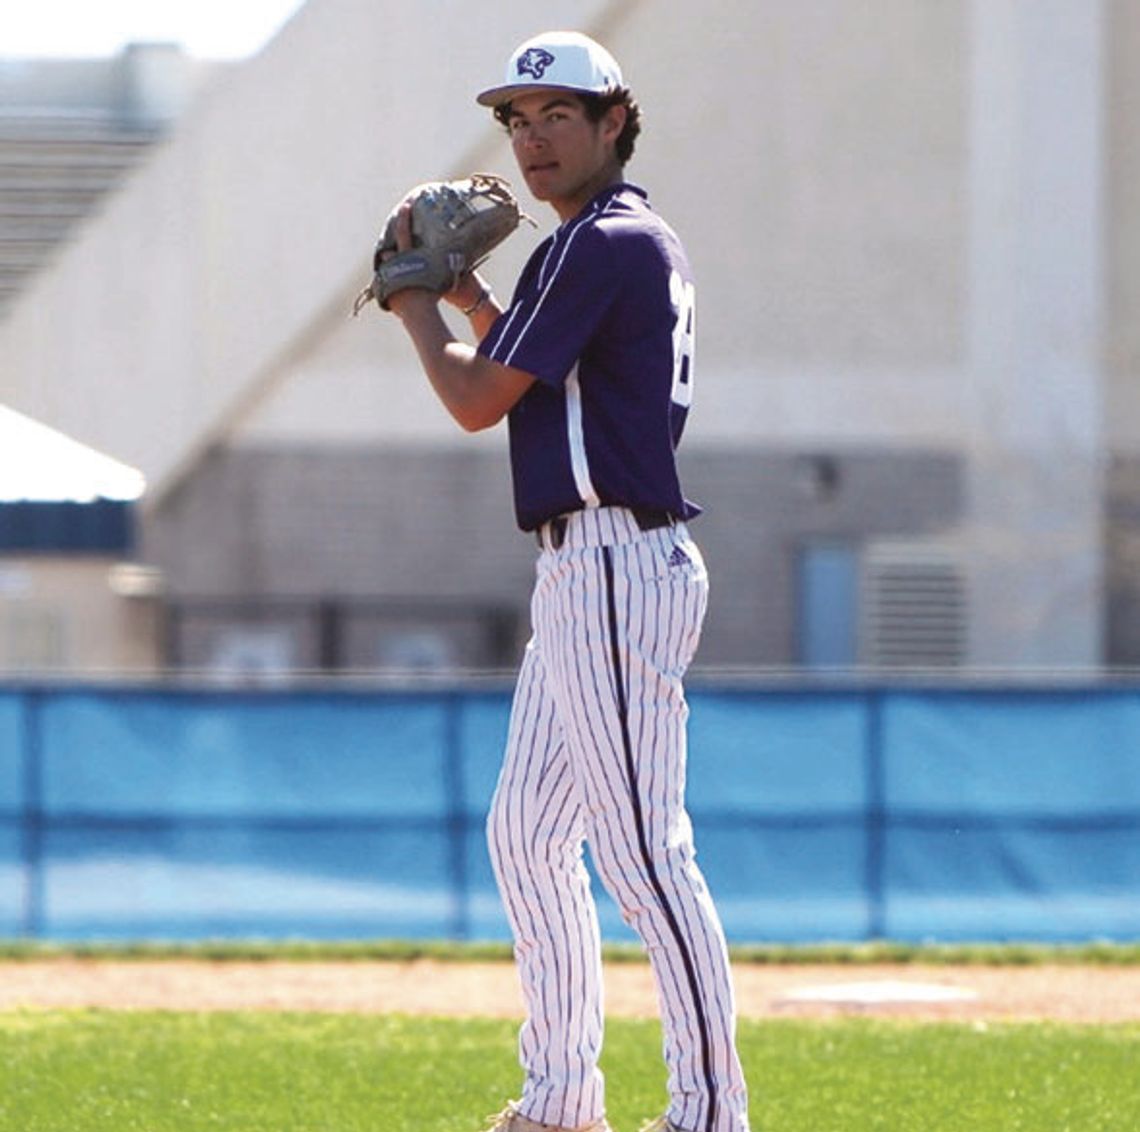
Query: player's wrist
(483, 299)
(470, 292)
(407, 302)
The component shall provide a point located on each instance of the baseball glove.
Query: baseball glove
(455, 226)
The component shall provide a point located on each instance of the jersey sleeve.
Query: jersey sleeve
(549, 324)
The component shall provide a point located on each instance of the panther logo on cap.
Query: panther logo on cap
(534, 61)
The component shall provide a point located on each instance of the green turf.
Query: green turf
(95, 1071)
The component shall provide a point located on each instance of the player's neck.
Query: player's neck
(569, 207)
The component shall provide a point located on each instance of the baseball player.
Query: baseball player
(591, 364)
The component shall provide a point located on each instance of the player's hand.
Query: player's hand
(468, 295)
(463, 296)
(437, 231)
(403, 230)
(404, 227)
(403, 301)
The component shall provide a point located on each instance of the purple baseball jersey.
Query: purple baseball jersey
(603, 317)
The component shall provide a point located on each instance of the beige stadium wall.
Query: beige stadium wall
(821, 205)
(1036, 324)
(225, 256)
(1123, 339)
(891, 247)
(859, 187)
(66, 613)
(1123, 246)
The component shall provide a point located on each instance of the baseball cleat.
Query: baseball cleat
(511, 1120)
(661, 1124)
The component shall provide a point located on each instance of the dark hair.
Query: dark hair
(595, 106)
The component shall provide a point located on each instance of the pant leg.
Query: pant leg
(535, 834)
(622, 627)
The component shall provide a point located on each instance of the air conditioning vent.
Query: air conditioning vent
(913, 607)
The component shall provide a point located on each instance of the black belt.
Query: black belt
(646, 518)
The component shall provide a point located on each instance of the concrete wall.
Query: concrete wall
(845, 188)
(231, 250)
(1036, 324)
(822, 207)
(912, 227)
(416, 522)
(1122, 236)
(1122, 621)
(1122, 566)
(67, 613)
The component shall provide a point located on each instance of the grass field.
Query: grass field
(96, 1071)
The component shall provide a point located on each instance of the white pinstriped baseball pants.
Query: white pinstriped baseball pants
(596, 753)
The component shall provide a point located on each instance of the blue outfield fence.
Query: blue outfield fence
(822, 813)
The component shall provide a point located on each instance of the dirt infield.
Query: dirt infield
(967, 993)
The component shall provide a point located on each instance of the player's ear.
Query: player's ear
(613, 122)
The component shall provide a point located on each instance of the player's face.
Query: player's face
(563, 156)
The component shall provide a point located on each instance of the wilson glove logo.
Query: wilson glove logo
(407, 264)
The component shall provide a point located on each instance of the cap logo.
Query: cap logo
(534, 61)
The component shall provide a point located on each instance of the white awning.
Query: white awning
(39, 463)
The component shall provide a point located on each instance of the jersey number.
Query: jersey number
(683, 297)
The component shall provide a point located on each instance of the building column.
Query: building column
(1034, 543)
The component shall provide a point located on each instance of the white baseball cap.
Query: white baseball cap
(565, 60)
